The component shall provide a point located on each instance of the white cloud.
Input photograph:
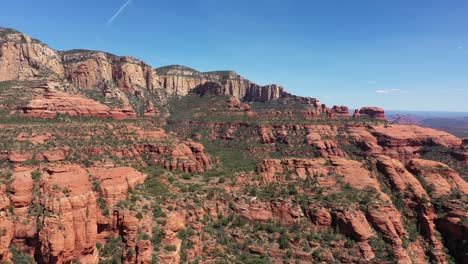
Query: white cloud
(391, 91)
(371, 82)
(326, 97)
(458, 90)
(109, 22)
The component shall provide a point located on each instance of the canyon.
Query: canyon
(104, 159)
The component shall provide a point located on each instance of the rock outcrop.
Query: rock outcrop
(441, 178)
(210, 167)
(342, 111)
(400, 141)
(22, 57)
(55, 103)
(355, 225)
(126, 79)
(370, 112)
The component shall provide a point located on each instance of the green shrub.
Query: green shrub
(158, 236)
(284, 241)
(36, 175)
(157, 211)
(112, 251)
(20, 257)
(170, 248)
(139, 215)
(185, 233)
(186, 176)
(103, 206)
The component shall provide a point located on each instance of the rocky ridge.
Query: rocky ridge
(124, 82)
(207, 167)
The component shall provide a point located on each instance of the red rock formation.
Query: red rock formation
(173, 226)
(6, 225)
(19, 157)
(321, 137)
(52, 103)
(51, 211)
(115, 182)
(87, 70)
(387, 220)
(319, 216)
(400, 178)
(341, 111)
(355, 225)
(57, 154)
(34, 138)
(66, 227)
(400, 141)
(277, 210)
(356, 175)
(266, 135)
(455, 228)
(136, 250)
(188, 157)
(274, 170)
(24, 58)
(370, 112)
(428, 230)
(439, 176)
(69, 228)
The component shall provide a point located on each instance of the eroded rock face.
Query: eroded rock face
(88, 70)
(442, 178)
(388, 221)
(342, 110)
(320, 216)
(455, 227)
(120, 77)
(400, 141)
(179, 80)
(356, 175)
(136, 249)
(115, 182)
(429, 231)
(23, 58)
(53, 103)
(278, 210)
(274, 170)
(355, 225)
(69, 227)
(126, 78)
(54, 214)
(87, 73)
(370, 112)
(6, 225)
(352, 184)
(400, 178)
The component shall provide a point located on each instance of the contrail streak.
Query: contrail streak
(118, 12)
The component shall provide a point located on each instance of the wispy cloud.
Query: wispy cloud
(122, 8)
(391, 91)
(371, 82)
(458, 90)
(326, 97)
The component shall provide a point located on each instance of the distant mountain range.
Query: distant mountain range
(452, 122)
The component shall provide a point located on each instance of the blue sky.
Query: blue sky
(399, 54)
